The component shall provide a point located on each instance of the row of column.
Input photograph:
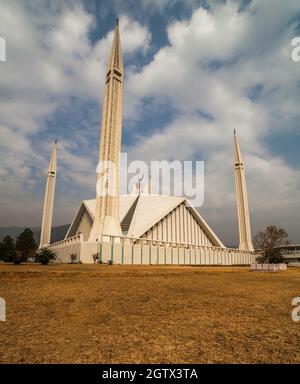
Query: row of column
(179, 226)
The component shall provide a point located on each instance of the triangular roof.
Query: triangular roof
(126, 202)
(149, 210)
(203, 224)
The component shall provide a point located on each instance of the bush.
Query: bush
(95, 257)
(276, 258)
(17, 258)
(73, 257)
(45, 255)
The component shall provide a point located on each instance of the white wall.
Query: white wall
(142, 251)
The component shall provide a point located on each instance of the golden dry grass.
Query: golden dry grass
(148, 314)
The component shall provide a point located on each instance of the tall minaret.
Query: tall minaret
(108, 171)
(48, 201)
(242, 199)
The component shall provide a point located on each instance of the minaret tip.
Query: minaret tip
(242, 199)
(115, 60)
(45, 237)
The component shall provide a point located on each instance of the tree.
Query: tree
(7, 249)
(17, 258)
(269, 241)
(26, 245)
(45, 255)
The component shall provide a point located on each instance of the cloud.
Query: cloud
(206, 72)
(51, 62)
(225, 66)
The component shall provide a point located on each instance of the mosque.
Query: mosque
(143, 227)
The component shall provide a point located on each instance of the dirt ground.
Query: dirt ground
(148, 314)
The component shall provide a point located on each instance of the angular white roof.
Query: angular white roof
(149, 210)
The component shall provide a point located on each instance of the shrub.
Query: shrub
(17, 258)
(73, 257)
(95, 257)
(45, 256)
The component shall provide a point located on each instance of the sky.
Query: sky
(194, 71)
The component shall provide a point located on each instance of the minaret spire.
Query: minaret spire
(49, 200)
(116, 61)
(108, 171)
(242, 199)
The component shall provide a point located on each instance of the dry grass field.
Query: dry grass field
(148, 314)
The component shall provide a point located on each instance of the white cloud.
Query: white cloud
(212, 62)
(251, 47)
(50, 59)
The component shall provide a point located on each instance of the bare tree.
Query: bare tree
(269, 241)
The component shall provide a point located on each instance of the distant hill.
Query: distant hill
(58, 233)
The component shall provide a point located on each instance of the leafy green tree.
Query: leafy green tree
(7, 249)
(45, 255)
(26, 245)
(269, 241)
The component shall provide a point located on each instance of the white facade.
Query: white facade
(124, 250)
(171, 232)
(145, 228)
(291, 254)
(152, 217)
